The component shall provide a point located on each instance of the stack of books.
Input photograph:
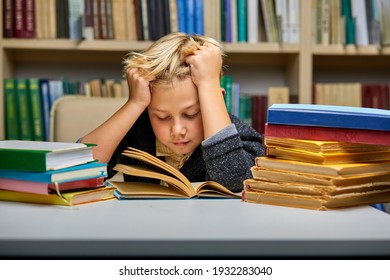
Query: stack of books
(322, 157)
(51, 173)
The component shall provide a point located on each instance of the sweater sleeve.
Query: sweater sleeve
(231, 153)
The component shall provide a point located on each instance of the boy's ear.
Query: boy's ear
(223, 91)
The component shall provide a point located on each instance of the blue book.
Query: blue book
(329, 116)
(181, 16)
(77, 172)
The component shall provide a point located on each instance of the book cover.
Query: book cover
(41, 155)
(47, 188)
(11, 110)
(329, 116)
(175, 184)
(77, 172)
(67, 199)
(328, 133)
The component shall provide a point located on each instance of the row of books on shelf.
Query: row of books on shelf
(51, 173)
(225, 20)
(350, 22)
(28, 102)
(370, 95)
(332, 157)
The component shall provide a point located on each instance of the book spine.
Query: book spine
(351, 120)
(45, 99)
(36, 110)
(29, 19)
(328, 134)
(190, 16)
(18, 19)
(11, 110)
(8, 19)
(227, 84)
(181, 16)
(75, 19)
(242, 21)
(23, 100)
(199, 17)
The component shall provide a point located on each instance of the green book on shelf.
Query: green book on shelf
(11, 110)
(227, 84)
(42, 156)
(36, 110)
(24, 105)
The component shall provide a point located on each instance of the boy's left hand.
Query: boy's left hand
(205, 64)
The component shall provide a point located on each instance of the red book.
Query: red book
(29, 19)
(374, 137)
(259, 112)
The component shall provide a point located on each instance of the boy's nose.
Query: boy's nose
(178, 128)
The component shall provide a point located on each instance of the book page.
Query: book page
(146, 190)
(149, 173)
(154, 161)
(213, 189)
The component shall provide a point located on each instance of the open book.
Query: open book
(174, 183)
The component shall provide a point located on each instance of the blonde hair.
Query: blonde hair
(165, 59)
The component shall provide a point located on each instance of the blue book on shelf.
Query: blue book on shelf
(77, 172)
(329, 116)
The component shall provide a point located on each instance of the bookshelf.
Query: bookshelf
(254, 65)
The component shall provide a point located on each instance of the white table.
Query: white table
(198, 227)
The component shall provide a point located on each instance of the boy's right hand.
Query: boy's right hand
(139, 88)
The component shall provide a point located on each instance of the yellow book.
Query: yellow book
(68, 198)
(174, 183)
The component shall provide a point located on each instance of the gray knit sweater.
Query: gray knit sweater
(225, 157)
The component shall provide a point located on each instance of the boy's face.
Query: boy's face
(175, 116)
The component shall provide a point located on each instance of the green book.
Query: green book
(24, 110)
(26, 155)
(11, 110)
(36, 110)
(242, 21)
(227, 84)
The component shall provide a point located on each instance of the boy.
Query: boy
(176, 111)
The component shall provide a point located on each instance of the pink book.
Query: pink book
(45, 188)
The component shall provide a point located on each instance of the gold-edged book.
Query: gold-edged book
(315, 202)
(68, 198)
(346, 169)
(325, 152)
(174, 183)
